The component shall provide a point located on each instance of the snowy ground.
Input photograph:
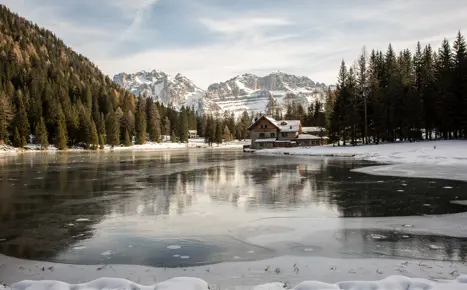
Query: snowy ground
(192, 143)
(430, 159)
(292, 270)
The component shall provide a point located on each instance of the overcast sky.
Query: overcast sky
(213, 40)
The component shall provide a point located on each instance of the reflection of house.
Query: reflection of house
(265, 132)
(192, 134)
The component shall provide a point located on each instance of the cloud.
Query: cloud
(243, 25)
(214, 40)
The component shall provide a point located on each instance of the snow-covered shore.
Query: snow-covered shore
(272, 274)
(192, 143)
(430, 159)
(429, 152)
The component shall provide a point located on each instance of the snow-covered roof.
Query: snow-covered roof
(312, 129)
(308, 137)
(265, 140)
(193, 131)
(288, 125)
(271, 120)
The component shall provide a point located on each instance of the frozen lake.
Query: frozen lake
(196, 207)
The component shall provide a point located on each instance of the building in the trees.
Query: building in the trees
(265, 132)
(317, 131)
(192, 134)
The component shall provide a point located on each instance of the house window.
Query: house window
(284, 134)
(265, 126)
(290, 127)
(261, 135)
(273, 135)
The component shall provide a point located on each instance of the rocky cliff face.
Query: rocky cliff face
(252, 93)
(244, 92)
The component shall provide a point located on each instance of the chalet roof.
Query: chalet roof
(289, 125)
(312, 129)
(308, 137)
(192, 131)
(271, 120)
(265, 140)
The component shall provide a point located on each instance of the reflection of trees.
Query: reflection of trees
(358, 194)
(41, 197)
(412, 246)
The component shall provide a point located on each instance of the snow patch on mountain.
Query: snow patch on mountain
(178, 91)
(243, 92)
(252, 93)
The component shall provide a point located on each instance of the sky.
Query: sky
(214, 40)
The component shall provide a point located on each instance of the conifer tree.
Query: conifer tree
(61, 138)
(140, 121)
(226, 135)
(112, 129)
(154, 121)
(6, 115)
(460, 84)
(167, 126)
(126, 138)
(18, 141)
(101, 141)
(21, 121)
(219, 132)
(41, 134)
(173, 137)
(183, 134)
(94, 141)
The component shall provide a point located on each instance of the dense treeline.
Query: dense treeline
(58, 96)
(313, 115)
(405, 96)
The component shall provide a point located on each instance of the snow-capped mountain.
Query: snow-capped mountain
(252, 93)
(244, 92)
(178, 91)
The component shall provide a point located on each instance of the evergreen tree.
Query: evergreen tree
(6, 115)
(210, 128)
(173, 137)
(126, 138)
(219, 132)
(41, 134)
(94, 141)
(183, 134)
(460, 84)
(227, 135)
(84, 128)
(21, 120)
(154, 121)
(101, 141)
(141, 121)
(113, 130)
(18, 141)
(61, 138)
(167, 126)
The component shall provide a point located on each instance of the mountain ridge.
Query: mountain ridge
(242, 92)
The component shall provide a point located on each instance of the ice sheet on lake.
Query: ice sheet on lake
(407, 159)
(185, 283)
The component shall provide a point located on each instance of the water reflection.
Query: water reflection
(52, 204)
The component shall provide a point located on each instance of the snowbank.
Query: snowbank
(291, 270)
(430, 152)
(185, 283)
(448, 159)
(192, 143)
